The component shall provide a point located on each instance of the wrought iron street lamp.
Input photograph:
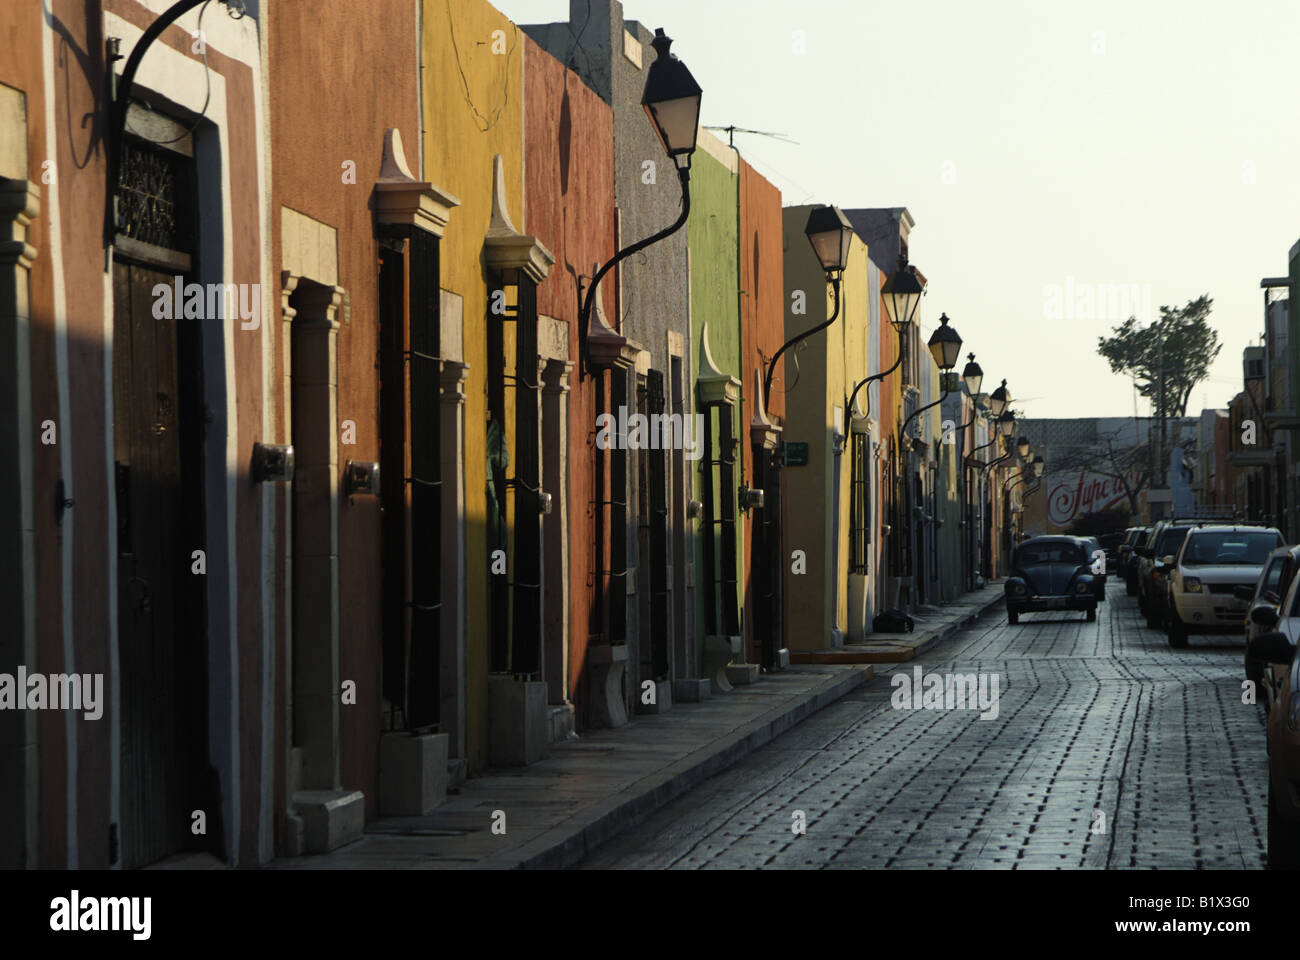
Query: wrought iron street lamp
(973, 376)
(830, 234)
(1006, 423)
(1039, 465)
(672, 102)
(999, 399)
(901, 293)
(945, 347)
(1023, 447)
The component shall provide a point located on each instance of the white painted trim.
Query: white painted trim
(185, 82)
(268, 330)
(50, 201)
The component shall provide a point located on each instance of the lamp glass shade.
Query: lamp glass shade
(999, 399)
(1006, 424)
(672, 100)
(945, 345)
(830, 234)
(1022, 447)
(902, 294)
(973, 376)
(1039, 467)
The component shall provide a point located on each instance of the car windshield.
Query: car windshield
(1141, 538)
(1272, 578)
(1172, 539)
(1230, 548)
(1053, 551)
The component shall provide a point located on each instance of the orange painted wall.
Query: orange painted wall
(569, 190)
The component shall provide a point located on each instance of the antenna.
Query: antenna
(733, 130)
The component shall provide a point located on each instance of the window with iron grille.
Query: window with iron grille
(155, 196)
(411, 473)
(859, 503)
(720, 521)
(516, 596)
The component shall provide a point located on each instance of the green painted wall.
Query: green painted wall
(712, 240)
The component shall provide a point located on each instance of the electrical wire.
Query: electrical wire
(479, 118)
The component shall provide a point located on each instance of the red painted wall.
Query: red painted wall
(331, 101)
(569, 190)
(762, 332)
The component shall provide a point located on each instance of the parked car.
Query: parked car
(1137, 536)
(1214, 560)
(1110, 542)
(1154, 559)
(1050, 573)
(1280, 653)
(1265, 602)
(1097, 556)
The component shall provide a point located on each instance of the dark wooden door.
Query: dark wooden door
(161, 614)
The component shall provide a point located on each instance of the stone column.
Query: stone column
(555, 567)
(452, 646)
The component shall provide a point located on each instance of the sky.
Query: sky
(1067, 164)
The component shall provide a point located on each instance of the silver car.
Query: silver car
(1213, 561)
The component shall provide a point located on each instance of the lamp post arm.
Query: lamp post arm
(121, 98)
(920, 410)
(877, 376)
(771, 367)
(589, 301)
(992, 463)
(1007, 484)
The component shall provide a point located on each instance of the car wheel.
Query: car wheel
(1153, 617)
(1092, 613)
(1176, 631)
(1013, 616)
(1283, 837)
(1142, 604)
(1130, 586)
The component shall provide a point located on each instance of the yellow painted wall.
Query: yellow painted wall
(827, 370)
(473, 110)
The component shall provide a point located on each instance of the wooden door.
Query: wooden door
(160, 603)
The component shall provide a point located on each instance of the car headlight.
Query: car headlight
(1019, 590)
(1293, 721)
(1081, 587)
(1191, 585)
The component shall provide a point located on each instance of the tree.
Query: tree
(1167, 358)
(1128, 466)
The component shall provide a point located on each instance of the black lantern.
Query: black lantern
(999, 399)
(902, 293)
(829, 232)
(1007, 423)
(972, 375)
(672, 100)
(1039, 465)
(945, 345)
(1022, 447)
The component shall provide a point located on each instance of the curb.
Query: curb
(587, 830)
(899, 647)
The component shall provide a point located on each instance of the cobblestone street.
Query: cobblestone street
(1095, 720)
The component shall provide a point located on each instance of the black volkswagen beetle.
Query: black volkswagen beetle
(1050, 573)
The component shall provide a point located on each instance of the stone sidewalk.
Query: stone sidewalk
(930, 630)
(560, 809)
